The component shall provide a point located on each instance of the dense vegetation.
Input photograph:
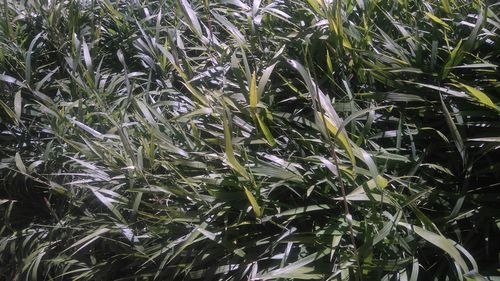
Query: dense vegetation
(249, 140)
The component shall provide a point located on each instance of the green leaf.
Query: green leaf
(295, 267)
(9, 112)
(18, 105)
(89, 238)
(266, 74)
(441, 242)
(11, 80)
(194, 22)
(455, 58)
(486, 139)
(19, 163)
(300, 210)
(88, 129)
(459, 143)
(28, 69)
(233, 30)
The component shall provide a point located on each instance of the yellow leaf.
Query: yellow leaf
(265, 130)
(230, 153)
(381, 181)
(329, 62)
(480, 96)
(254, 100)
(255, 206)
(346, 43)
(253, 92)
(341, 136)
(316, 5)
(438, 20)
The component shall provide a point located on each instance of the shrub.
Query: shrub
(231, 140)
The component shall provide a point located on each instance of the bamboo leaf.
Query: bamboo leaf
(18, 105)
(266, 131)
(254, 99)
(441, 242)
(481, 97)
(315, 4)
(19, 163)
(266, 74)
(330, 125)
(459, 143)
(294, 267)
(29, 53)
(253, 202)
(89, 237)
(193, 18)
(230, 152)
(438, 20)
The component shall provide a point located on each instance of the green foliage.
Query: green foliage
(249, 140)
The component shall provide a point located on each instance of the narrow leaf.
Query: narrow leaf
(341, 137)
(480, 96)
(19, 163)
(255, 206)
(253, 92)
(442, 243)
(296, 266)
(438, 20)
(266, 131)
(264, 79)
(229, 150)
(17, 104)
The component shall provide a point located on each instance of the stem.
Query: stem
(346, 209)
(333, 154)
